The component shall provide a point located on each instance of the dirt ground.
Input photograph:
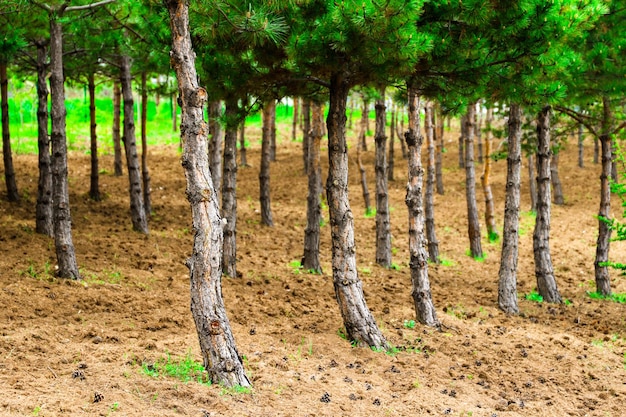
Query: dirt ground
(64, 343)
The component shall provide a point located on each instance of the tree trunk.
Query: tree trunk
(479, 133)
(221, 359)
(362, 174)
(596, 150)
(229, 191)
(145, 173)
(242, 143)
(215, 145)
(306, 133)
(400, 115)
(546, 283)
(614, 176)
(296, 115)
(429, 202)
(174, 107)
(507, 285)
(490, 220)
(272, 122)
(581, 137)
(94, 189)
(473, 224)
(44, 218)
(9, 171)
(556, 182)
(311, 258)
(603, 279)
(137, 212)
(422, 298)
(439, 128)
(392, 136)
(264, 173)
(64, 246)
(357, 318)
(533, 183)
(117, 146)
(364, 124)
(383, 224)
(461, 140)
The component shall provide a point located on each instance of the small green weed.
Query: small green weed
(493, 237)
(370, 212)
(365, 271)
(480, 258)
(185, 369)
(597, 343)
(296, 266)
(36, 411)
(395, 266)
(534, 296)
(409, 324)
(114, 407)
(236, 390)
(342, 333)
(446, 262)
(615, 297)
(527, 222)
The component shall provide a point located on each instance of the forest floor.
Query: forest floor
(62, 343)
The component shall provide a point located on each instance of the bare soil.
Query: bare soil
(65, 344)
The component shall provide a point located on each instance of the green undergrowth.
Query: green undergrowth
(527, 222)
(538, 298)
(370, 213)
(184, 369)
(615, 297)
(480, 258)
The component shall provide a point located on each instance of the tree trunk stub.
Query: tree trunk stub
(44, 213)
(429, 202)
(383, 223)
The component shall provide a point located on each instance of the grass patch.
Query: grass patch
(409, 324)
(236, 390)
(480, 258)
(446, 262)
(184, 369)
(615, 297)
(296, 266)
(527, 222)
(534, 296)
(493, 237)
(370, 212)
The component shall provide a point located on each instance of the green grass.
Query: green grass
(534, 296)
(446, 262)
(615, 297)
(480, 258)
(493, 237)
(370, 213)
(409, 324)
(236, 390)
(527, 222)
(184, 369)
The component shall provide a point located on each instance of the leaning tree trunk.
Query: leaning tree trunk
(145, 173)
(117, 145)
(422, 298)
(264, 173)
(357, 318)
(603, 279)
(64, 246)
(44, 215)
(439, 129)
(490, 219)
(221, 359)
(581, 137)
(296, 115)
(229, 191)
(392, 136)
(383, 224)
(306, 132)
(546, 282)
(556, 182)
(507, 285)
(94, 189)
(9, 171)
(364, 124)
(473, 224)
(215, 145)
(532, 177)
(311, 258)
(362, 172)
(429, 202)
(137, 212)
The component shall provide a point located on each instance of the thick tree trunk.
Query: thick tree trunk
(364, 124)
(9, 171)
(311, 258)
(429, 202)
(507, 285)
(94, 189)
(362, 172)
(422, 298)
(439, 129)
(357, 318)
(242, 143)
(117, 138)
(264, 173)
(546, 282)
(383, 223)
(137, 212)
(145, 173)
(473, 224)
(533, 183)
(215, 145)
(306, 132)
(64, 246)
(296, 115)
(557, 189)
(229, 191)
(221, 359)
(603, 279)
(581, 137)
(44, 223)
(392, 136)
(490, 220)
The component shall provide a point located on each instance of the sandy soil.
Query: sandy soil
(64, 343)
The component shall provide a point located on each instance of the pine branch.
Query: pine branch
(89, 6)
(579, 117)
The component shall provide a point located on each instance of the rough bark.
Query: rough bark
(64, 246)
(221, 359)
(117, 138)
(216, 144)
(473, 224)
(9, 171)
(557, 189)
(264, 173)
(296, 115)
(507, 284)
(311, 258)
(439, 129)
(544, 272)
(603, 279)
(429, 198)
(581, 137)
(137, 212)
(145, 173)
(306, 133)
(422, 298)
(94, 189)
(242, 143)
(392, 137)
(229, 192)
(490, 220)
(532, 177)
(358, 320)
(44, 223)
(383, 223)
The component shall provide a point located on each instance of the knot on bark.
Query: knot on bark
(410, 138)
(198, 97)
(215, 327)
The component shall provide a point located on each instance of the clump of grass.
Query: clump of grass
(184, 369)
(615, 297)
(409, 324)
(236, 390)
(534, 296)
(296, 266)
(493, 237)
(480, 258)
(370, 212)
(446, 262)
